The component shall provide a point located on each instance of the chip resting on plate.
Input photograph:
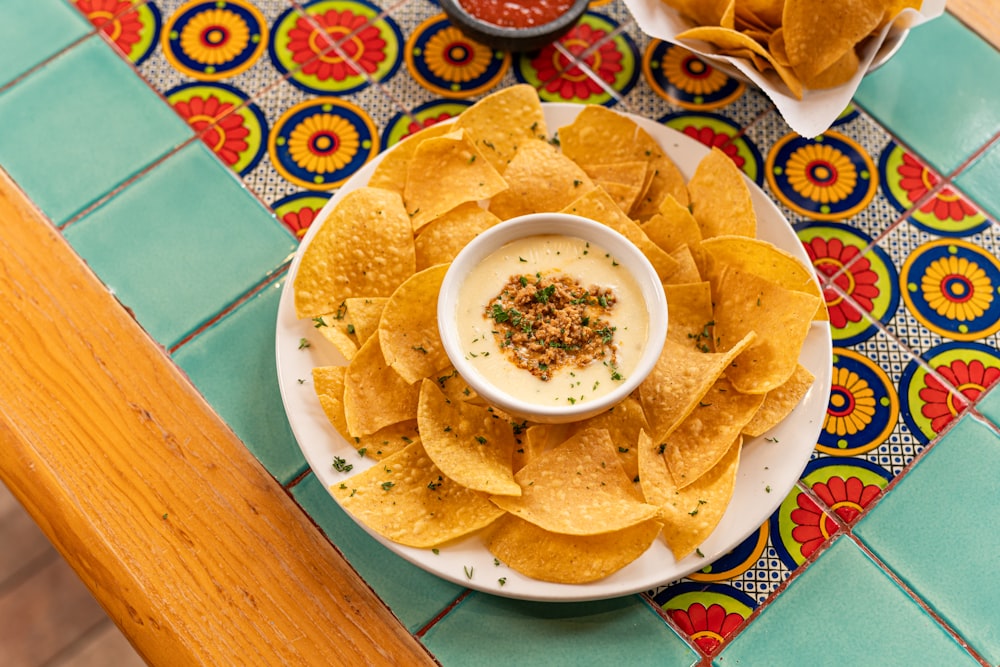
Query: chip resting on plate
(375, 395)
(720, 197)
(578, 488)
(442, 239)
(501, 122)
(365, 248)
(779, 403)
(408, 330)
(407, 499)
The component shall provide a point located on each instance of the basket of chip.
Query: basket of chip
(808, 56)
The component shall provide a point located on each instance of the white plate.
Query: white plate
(768, 470)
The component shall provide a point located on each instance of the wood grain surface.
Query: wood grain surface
(982, 16)
(186, 541)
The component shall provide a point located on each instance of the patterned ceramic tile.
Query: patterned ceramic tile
(414, 596)
(181, 243)
(929, 530)
(131, 26)
(114, 127)
(843, 610)
(942, 101)
(33, 32)
(488, 630)
(232, 364)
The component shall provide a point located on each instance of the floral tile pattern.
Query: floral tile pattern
(280, 102)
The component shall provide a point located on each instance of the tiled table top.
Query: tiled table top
(163, 151)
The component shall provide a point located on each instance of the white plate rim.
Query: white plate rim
(769, 468)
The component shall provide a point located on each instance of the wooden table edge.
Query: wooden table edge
(192, 548)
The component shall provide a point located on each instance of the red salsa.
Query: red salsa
(516, 13)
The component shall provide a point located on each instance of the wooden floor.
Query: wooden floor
(47, 616)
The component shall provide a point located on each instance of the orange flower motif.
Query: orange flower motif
(116, 18)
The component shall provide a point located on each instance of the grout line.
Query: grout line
(67, 654)
(28, 569)
(451, 606)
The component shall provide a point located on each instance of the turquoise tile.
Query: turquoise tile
(489, 630)
(232, 364)
(989, 404)
(843, 610)
(32, 32)
(940, 93)
(936, 531)
(979, 181)
(414, 596)
(76, 128)
(181, 243)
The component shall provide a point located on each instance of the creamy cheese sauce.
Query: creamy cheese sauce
(552, 256)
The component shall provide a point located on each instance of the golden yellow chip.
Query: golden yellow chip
(390, 173)
(539, 178)
(578, 488)
(375, 395)
(818, 34)
(598, 206)
(780, 317)
(703, 12)
(408, 500)
(339, 333)
(764, 15)
(690, 315)
(762, 259)
(408, 331)
(623, 423)
(705, 435)
(689, 515)
(501, 122)
(363, 314)
(623, 194)
(631, 172)
(567, 559)
(470, 444)
(328, 381)
(779, 403)
(441, 240)
(536, 439)
(444, 172)
(364, 248)
(720, 197)
(840, 72)
(687, 269)
(681, 377)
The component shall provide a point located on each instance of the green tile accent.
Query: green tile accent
(989, 404)
(940, 94)
(936, 531)
(415, 596)
(232, 364)
(980, 179)
(32, 32)
(843, 610)
(489, 630)
(181, 243)
(81, 125)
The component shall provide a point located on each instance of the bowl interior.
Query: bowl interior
(624, 252)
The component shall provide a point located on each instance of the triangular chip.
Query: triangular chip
(375, 395)
(441, 240)
(623, 423)
(780, 317)
(704, 436)
(687, 269)
(364, 248)
(779, 403)
(689, 515)
(363, 314)
(444, 172)
(408, 500)
(501, 122)
(390, 173)
(578, 488)
(690, 308)
(539, 179)
(470, 444)
(720, 197)
(408, 331)
(566, 559)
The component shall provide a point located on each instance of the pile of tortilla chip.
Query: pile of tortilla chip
(807, 43)
(568, 503)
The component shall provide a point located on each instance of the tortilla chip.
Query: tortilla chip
(539, 179)
(468, 443)
(720, 197)
(818, 34)
(687, 269)
(502, 121)
(445, 172)
(690, 514)
(390, 173)
(363, 314)
(442, 239)
(779, 403)
(560, 489)
(408, 329)
(567, 559)
(690, 314)
(375, 395)
(623, 423)
(364, 248)
(408, 500)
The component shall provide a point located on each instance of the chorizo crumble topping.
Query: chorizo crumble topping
(544, 323)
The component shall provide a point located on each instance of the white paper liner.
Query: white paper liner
(818, 109)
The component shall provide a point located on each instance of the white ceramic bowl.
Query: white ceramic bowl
(624, 252)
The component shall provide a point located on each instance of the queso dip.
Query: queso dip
(552, 319)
